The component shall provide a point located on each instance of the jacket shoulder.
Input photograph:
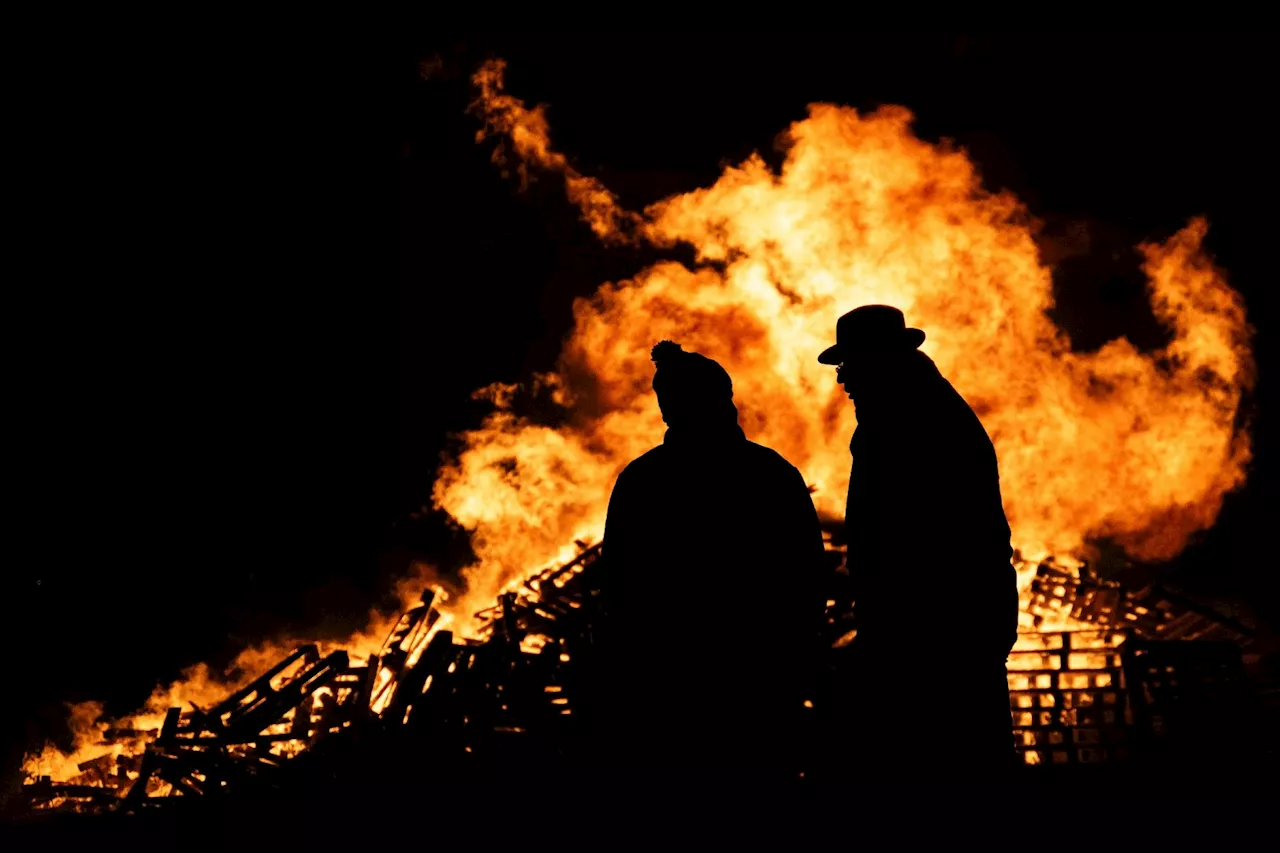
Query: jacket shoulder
(649, 461)
(761, 455)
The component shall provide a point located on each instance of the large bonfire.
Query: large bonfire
(1136, 447)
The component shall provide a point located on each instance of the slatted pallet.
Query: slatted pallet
(1067, 697)
(1152, 612)
(525, 681)
(298, 702)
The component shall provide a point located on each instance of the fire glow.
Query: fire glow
(1137, 447)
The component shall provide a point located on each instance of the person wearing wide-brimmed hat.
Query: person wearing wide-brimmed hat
(929, 551)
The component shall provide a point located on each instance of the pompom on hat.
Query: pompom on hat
(688, 372)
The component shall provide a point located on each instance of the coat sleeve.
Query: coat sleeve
(802, 594)
(617, 549)
(807, 546)
(964, 518)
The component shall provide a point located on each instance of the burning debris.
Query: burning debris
(1137, 446)
(1067, 693)
(471, 697)
(1057, 592)
(291, 707)
(1102, 692)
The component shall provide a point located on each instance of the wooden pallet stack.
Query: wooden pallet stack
(241, 742)
(1078, 595)
(1068, 699)
(522, 690)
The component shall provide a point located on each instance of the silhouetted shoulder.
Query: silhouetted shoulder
(768, 457)
(648, 462)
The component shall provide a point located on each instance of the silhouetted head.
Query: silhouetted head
(873, 349)
(692, 390)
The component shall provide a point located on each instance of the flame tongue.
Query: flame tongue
(1137, 446)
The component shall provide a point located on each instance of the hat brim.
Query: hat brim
(911, 339)
(830, 355)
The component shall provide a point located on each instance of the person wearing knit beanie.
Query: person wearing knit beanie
(694, 392)
(713, 572)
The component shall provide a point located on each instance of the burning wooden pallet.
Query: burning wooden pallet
(1068, 698)
(521, 688)
(236, 744)
(1080, 596)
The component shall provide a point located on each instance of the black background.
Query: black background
(255, 279)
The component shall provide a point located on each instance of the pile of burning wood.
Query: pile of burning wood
(1117, 686)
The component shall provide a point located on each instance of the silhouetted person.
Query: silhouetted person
(712, 565)
(936, 597)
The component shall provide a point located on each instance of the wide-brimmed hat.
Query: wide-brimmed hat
(871, 328)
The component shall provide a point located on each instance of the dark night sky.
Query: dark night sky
(256, 286)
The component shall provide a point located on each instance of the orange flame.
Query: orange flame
(527, 131)
(1140, 447)
(204, 687)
